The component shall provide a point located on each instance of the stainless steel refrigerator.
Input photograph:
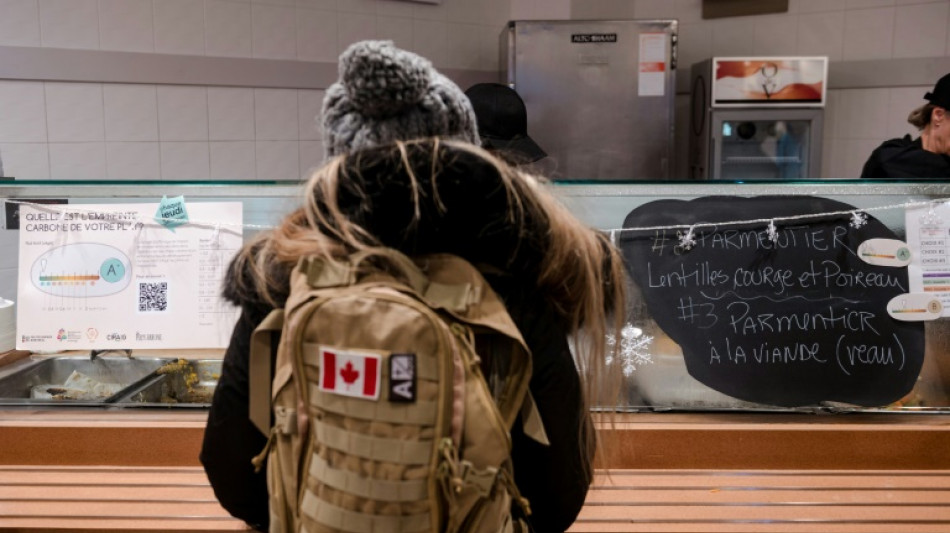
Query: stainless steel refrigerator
(757, 118)
(599, 94)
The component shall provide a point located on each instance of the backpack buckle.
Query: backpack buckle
(482, 480)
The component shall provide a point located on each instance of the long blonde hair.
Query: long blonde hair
(574, 267)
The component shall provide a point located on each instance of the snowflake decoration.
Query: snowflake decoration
(858, 219)
(634, 349)
(687, 240)
(772, 231)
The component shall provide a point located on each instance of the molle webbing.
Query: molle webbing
(365, 487)
(375, 448)
(420, 413)
(332, 516)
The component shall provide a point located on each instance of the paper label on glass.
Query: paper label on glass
(928, 237)
(110, 277)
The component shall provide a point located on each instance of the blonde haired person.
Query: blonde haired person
(927, 156)
(556, 276)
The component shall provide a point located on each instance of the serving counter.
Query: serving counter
(759, 337)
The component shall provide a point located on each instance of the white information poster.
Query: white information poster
(928, 237)
(126, 276)
(652, 75)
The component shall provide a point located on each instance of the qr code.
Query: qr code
(153, 296)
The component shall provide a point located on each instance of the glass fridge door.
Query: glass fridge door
(767, 144)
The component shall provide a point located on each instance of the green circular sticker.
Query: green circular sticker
(112, 270)
(903, 254)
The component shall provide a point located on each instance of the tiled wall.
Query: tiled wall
(856, 120)
(76, 131)
(80, 131)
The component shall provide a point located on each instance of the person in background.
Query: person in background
(927, 156)
(503, 123)
(549, 268)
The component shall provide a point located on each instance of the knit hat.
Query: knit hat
(386, 94)
(941, 93)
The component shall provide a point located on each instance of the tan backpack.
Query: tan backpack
(382, 418)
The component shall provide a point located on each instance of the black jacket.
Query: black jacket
(552, 477)
(905, 158)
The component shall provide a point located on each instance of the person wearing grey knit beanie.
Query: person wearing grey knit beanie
(384, 94)
(387, 94)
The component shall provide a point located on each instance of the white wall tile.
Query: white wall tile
(821, 34)
(311, 157)
(326, 5)
(25, 161)
(868, 34)
(126, 25)
(69, 23)
(694, 45)
(231, 114)
(430, 12)
(832, 164)
(829, 122)
(862, 114)
(856, 153)
(233, 160)
(227, 28)
(654, 9)
(463, 50)
(901, 102)
(921, 30)
(809, 6)
(730, 37)
(274, 31)
(20, 23)
(395, 29)
(77, 161)
(74, 112)
(591, 9)
(131, 112)
(133, 161)
(185, 161)
(23, 108)
(864, 4)
(465, 12)
(180, 27)
(354, 27)
(276, 117)
(689, 11)
(394, 8)
(316, 35)
(776, 35)
(429, 40)
(278, 160)
(309, 104)
(360, 6)
(490, 51)
(182, 113)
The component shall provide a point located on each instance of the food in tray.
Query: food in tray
(77, 386)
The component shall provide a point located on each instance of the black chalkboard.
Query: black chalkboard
(794, 322)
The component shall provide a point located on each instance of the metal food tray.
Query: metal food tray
(138, 382)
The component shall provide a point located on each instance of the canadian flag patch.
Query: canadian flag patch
(350, 373)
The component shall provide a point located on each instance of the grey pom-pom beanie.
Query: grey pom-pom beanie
(386, 94)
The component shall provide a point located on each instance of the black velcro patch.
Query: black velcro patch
(402, 377)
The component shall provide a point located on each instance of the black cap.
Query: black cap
(939, 97)
(503, 120)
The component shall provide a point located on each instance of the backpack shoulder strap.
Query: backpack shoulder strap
(259, 369)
